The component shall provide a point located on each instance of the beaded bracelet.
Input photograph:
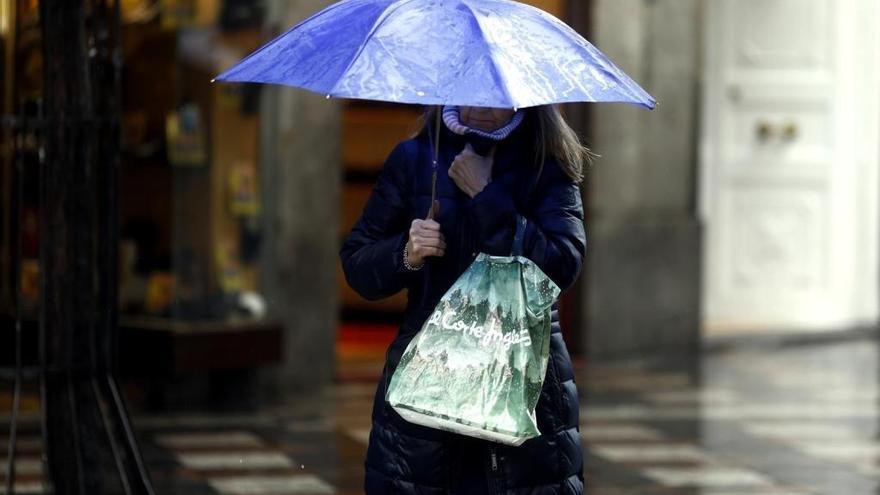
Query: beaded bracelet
(406, 260)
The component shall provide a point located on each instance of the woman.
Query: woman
(532, 166)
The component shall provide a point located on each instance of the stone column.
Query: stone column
(644, 249)
(300, 147)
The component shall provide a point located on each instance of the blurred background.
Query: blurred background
(724, 327)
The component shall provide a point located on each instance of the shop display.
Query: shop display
(184, 136)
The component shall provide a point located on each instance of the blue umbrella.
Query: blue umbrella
(487, 53)
(482, 53)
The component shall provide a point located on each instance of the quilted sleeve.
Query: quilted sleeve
(372, 253)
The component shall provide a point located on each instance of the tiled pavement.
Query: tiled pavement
(799, 420)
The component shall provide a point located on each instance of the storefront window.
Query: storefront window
(190, 219)
(189, 197)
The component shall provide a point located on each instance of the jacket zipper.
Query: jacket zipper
(495, 482)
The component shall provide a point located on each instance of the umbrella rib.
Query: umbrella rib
(622, 80)
(501, 80)
(376, 25)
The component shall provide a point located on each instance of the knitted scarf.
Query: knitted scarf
(451, 118)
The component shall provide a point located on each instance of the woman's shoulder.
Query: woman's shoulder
(405, 147)
(554, 174)
(405, 151)
(401, 157)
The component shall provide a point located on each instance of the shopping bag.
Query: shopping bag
(477, 365)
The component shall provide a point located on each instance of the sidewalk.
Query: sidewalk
(800, 420)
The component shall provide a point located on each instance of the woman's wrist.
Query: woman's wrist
(406, 262)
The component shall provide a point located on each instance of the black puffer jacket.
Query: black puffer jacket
(404, 458)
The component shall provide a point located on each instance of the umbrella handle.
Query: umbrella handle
(431, 210)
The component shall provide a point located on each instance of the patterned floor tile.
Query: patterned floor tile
(805, 430)
(794, 411)
(616, 431)
(858, 451)
(741, 412)
(26, 443)
(24, 465)
(203, 421)
(311, 425)
(708, 477)
(200, 440)
(864, 394)
(271, 485)
(245, 460)
(693, 396)
(644, 453)
(751, 491)
(641, 381)
(27, 488)
(636, 412)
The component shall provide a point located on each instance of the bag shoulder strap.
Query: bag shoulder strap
(516, 250)
(517, 247)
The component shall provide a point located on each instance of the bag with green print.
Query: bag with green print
(477, 365)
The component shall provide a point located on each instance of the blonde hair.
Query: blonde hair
(553, 137)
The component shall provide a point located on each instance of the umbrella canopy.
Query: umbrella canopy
(487, 53)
